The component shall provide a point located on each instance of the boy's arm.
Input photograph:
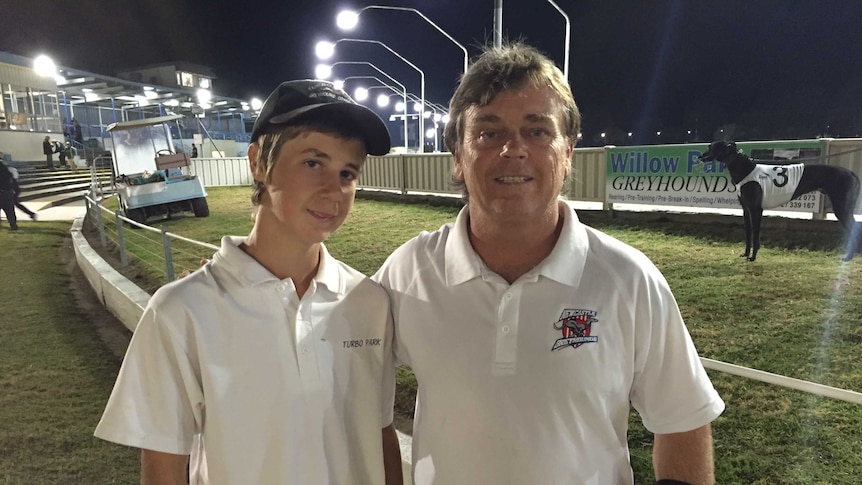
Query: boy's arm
(392, 456)
(159, 468)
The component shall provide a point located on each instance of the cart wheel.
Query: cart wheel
(137, 215)
(200, 207)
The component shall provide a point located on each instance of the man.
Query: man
(271, 364)
(48, 150)
(16, 189)
(530, 334)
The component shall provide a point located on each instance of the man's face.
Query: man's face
(312, 186)
(514, 156)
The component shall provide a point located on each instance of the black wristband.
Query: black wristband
(670, 481)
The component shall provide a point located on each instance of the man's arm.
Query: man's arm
(392, 456)
(686, 456)
(159, 468)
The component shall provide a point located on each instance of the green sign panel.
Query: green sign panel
(673, 174)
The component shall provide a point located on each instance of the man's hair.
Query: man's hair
(509, 67)
(274, 139)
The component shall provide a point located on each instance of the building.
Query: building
(35, 106)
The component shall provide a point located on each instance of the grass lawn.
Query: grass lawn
(55, 371)
(797, 311)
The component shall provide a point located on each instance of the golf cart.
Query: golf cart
(151, 178)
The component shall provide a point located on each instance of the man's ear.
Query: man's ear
(257, 171)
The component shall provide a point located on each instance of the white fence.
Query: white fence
(431, 172)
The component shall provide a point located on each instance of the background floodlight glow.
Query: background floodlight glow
(256, 104)
(44, 66)
(347, 20)
(430, 133)
(417, 107)
(361, 94)
(324, 50)
(399, 106)
(323, 71)
(383, 100)
(338, 84)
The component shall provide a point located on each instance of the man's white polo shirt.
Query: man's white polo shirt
(266, 388)
(532, 382)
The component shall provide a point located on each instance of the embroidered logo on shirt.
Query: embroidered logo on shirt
(576, 326)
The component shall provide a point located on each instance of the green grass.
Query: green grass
(797, 311)
(55, 372)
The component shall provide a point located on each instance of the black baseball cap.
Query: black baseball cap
(293, 99)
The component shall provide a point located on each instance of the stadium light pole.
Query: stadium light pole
(498, 30)
(348, 19)
(568, 37)
(381, 71)
(402, 93)
(325, 50)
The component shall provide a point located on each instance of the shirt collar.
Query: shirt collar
(247, 268)
(564, 264)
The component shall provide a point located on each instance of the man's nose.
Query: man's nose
(514, 147)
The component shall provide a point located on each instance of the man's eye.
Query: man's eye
(488, 135)
(348, 175)
(539, 132)
(312, 163)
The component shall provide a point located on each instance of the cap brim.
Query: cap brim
(366, 122)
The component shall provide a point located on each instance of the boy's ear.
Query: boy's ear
(257, 171)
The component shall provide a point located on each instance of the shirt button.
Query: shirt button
(280, 287)
(508, 296)
(505, 329)
(305, 350)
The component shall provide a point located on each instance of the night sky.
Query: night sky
(765, 68)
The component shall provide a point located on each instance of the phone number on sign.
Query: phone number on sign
(807, 201)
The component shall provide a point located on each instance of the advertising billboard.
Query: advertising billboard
(674, 175)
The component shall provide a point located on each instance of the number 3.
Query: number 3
(780, 173)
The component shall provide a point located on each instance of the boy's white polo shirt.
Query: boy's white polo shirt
(260, 387)
(532, 382)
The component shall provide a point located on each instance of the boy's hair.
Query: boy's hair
(272, 140)
(497, 69)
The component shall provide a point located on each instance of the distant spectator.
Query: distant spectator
(7, 196)
(76, 129)
(16, 189)
(194, 151)
(61, 153)
(48, 150)
(71, 152)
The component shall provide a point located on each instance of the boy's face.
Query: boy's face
(312, 185)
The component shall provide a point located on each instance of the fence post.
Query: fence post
(169, 261)
(101, 224)
(121, 241)
(404, 172)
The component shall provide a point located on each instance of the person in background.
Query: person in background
(16, 189)
(272, 363)
(77, 132)
(7, 196)
(60, 150)
(71, 153)
(530, 334)
(48, 150)
(194, 151)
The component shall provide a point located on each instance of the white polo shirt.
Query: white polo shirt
(532, 382)
(228, 365)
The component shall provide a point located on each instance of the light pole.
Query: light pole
(381, 82)
(568, 37)
(325, 50)
(402, 93)
(348, 19)
(498, 30)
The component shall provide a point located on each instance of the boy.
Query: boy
(251, 364)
